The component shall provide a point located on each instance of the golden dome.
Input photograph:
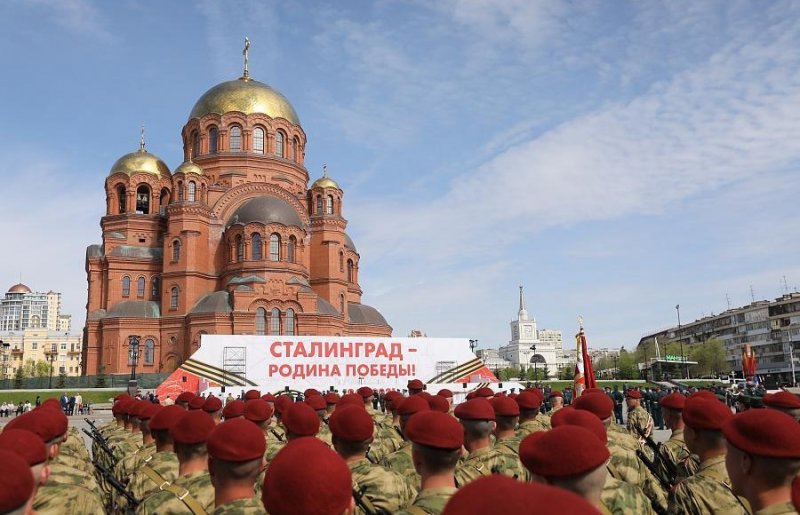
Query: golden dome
(19, 288)
(188, 167)
(247, 96)
(140, 161)
(325, 182)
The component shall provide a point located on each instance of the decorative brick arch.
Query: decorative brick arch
(238, 195)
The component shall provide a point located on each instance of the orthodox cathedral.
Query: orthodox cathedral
(233, 241)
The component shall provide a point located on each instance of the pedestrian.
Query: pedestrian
(235, 460)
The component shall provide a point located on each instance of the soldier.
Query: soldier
(192, 490)
(233, 409)
(674, 455)
(618, 399)
(447, 394)
(707, 491)
(307, 461)
(763, 459)
(499, 494)
(17, 487)
(556, 401)
(259, 412)
(400, 461)
(529, 421)
(183, 399)
(478, 418)
(196, 403)
(331, 398)
(439, 403)
(300, 420)
(415, 387)
(785, 402)
(640, 423)
(127, 465)
(368, 395)
(388, 438)
(318, 404)
(251, 395)
(352, 429)
(506, 412)
(213, 406)
(32, 450)
(235, 460)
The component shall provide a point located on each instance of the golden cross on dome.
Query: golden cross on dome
(141, 140)
(245, 54)
(324, 170)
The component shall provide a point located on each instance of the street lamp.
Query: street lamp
(683, 357)
(535, 367)
(133, 354)
(472, 345)
(52, 357)
(615, 367)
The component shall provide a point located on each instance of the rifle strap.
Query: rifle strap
(183, 495)
(154, 476)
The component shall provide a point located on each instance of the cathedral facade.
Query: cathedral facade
(233, 241)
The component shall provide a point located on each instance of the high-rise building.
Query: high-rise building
(23, 308)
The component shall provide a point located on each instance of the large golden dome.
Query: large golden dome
(140, 161)
(247, 96)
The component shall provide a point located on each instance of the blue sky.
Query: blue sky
(616, 158)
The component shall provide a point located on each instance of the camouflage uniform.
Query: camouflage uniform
(674, 451)
(786, 508)
(387, 441)
(621, 498)
(164, 463)
(324, 434)
(197, 485)
(251, 506)
(639, 420)
(401, 462)
(385, 489)
(74, 445)
(74, 462)
(430, 502)
(56, 499)
(707, 492)
(509, 445)
(532, 426)
(627, 467)
(487, 461)
(129, 464)
(61, 474)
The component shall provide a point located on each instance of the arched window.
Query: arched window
(261, 321)
(213, 140)
(164, 200)
(143, 200)
(176, 250)
(290, 249)
(341, 303)
(155, 292)
(173, 299)
(180, 191)
(274, 247)
(289, 323)
(140, 286)
(256, 241)
(275, 322)
(149, 351)
(295, 148)
(239, 249)
(126, 286)
(341, 261)
(349, 270)
(195, 144)
(122, 197)
(319, 205)
(192, 191)
(329, 205)
(279, 144)
(236, 139)
(258, 140)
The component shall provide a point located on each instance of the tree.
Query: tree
(37, 369)
(710, 356)
(62, 380)
(19, 378)
(627, 365)
(566, 373)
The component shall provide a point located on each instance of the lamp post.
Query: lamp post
(683, 357)
(133, 354)
(52, 358)
(616, 371)
(535, 366)
(472, 345)
(4, 356)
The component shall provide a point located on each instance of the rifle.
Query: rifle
(363, 502)
(664, 483)
(275, 434)
(670, 468)
(113, 481)
(103, 445)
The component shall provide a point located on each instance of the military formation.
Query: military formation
(419, 454)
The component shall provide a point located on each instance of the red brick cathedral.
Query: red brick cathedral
(232, 242)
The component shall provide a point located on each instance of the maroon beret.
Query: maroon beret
(51, 402)
(268, 397)
(476, 409)
(593, 390)
(412, 405)
(236, 440)
(564, 451)
(300, 420)
(27, 444)
(470, 396)
(528, 400)
(416, 384)
(121, 406)
(444, 392)
(704, 394)
(350, 399)
(137, 407)
(282, 402)
(600, 405)
(47, 424)
(185, 397)
(556, 393)
(484, 392)
(118, 397)
(704, 413)
(351, 424)
(439, 403)
(505, 406)
(251, 394)
(193, 428)
(673, 401)
(150, 411)
(17, 484)
(633, 394)
(308, 392)
(212, 404)
(768, 433)
(317, 402)
(782, 399)
(196, 403)
(257, 410)
(365, 392)
(166, 418)
(435, 429)
(497, 493)
(233, 409)
(331, 398)
(581, 418)
(303, 464)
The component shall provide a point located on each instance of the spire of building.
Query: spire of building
(523, 313)
(141, 140)
(245, 53)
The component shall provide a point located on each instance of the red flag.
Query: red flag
(588, 370)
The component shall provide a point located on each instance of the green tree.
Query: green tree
(37, 369)
(62, 380)
(19, 378)
(711, 358)
(566, 373)
(627, 365)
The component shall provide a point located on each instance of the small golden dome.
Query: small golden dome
(325, 182)
(19, 288)
(140, 161)
(247, 96)
(188, 167)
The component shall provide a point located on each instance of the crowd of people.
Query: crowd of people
(325, 453)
